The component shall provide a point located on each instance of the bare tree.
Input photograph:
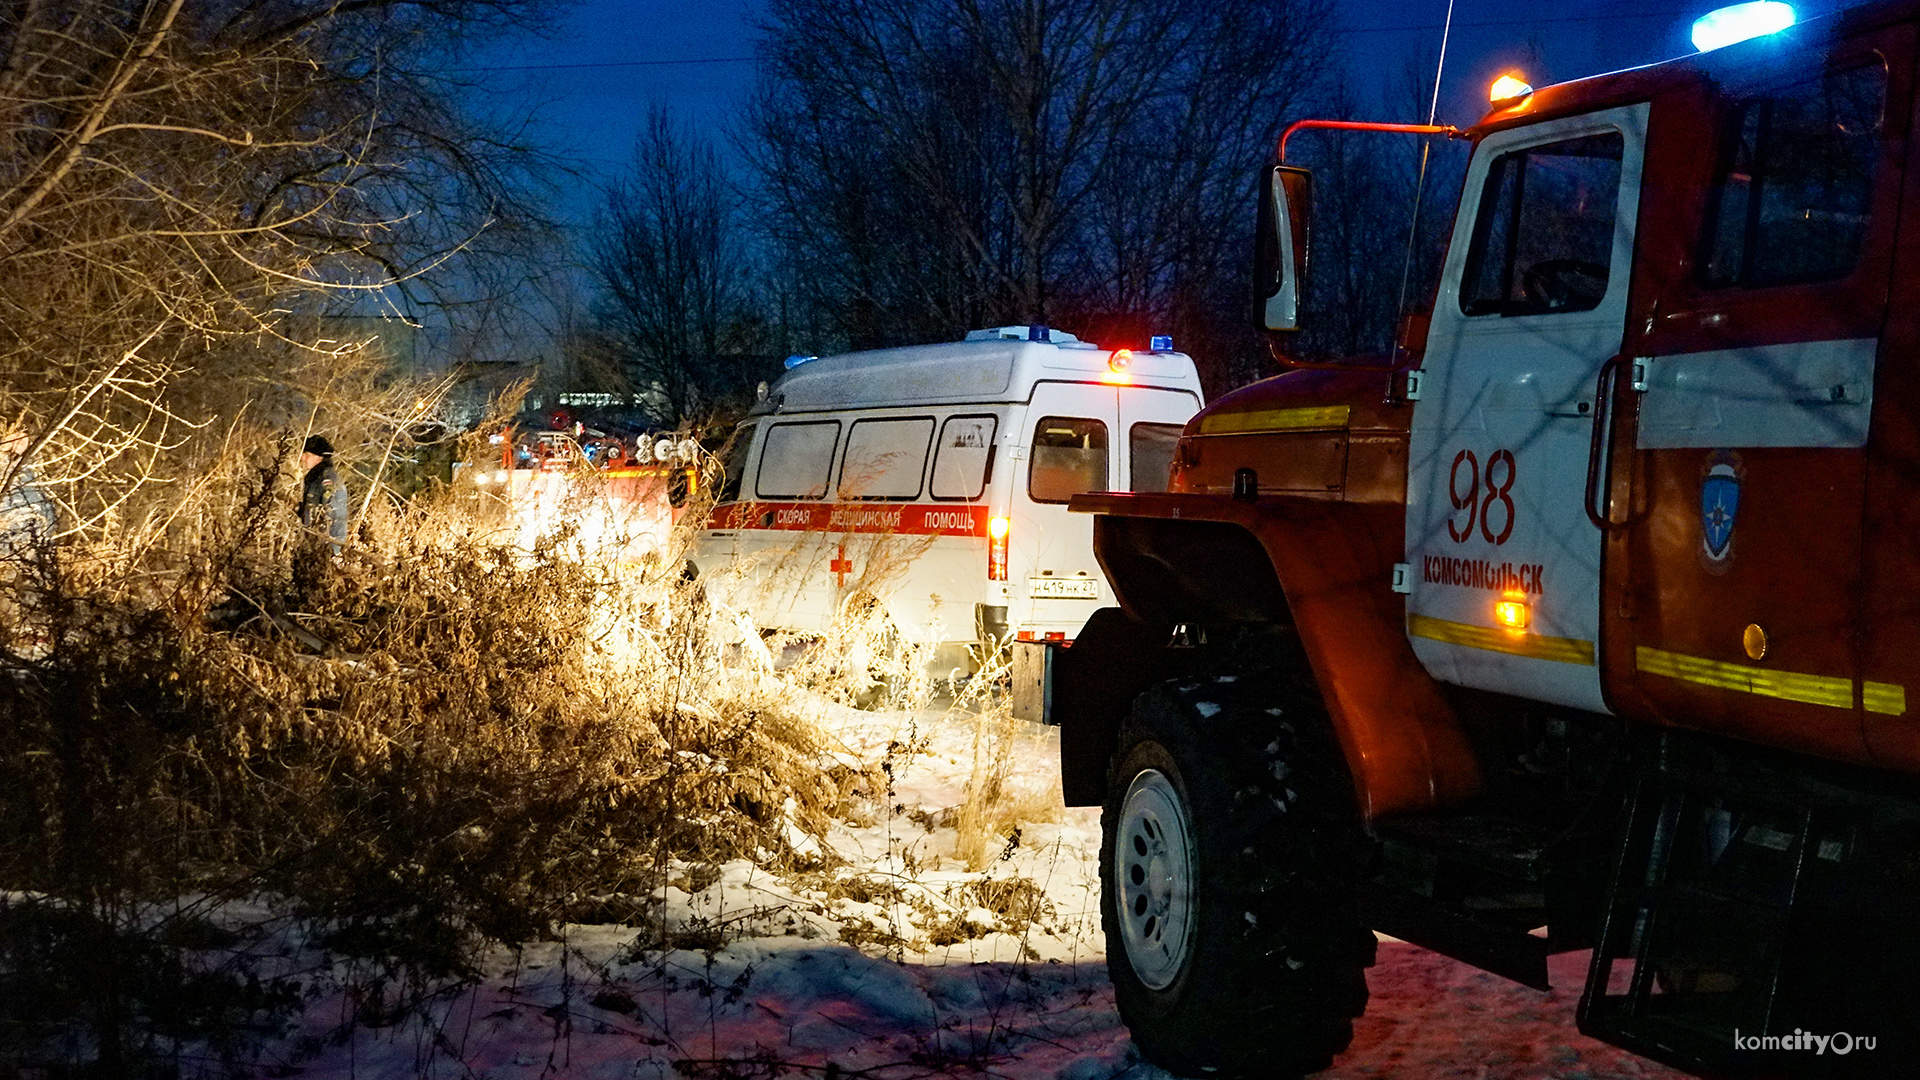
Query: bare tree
(930, 165)
(187, 185)
(667, 254)
(1382, 208)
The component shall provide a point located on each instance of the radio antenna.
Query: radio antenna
(1420, 185)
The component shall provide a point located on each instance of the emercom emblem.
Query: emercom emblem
(1719, 507)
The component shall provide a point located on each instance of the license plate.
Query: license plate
(1067, 588)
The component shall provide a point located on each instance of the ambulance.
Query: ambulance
(934, 480)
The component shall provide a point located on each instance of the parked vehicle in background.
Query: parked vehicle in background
(934, 480)
(1589, 623)
(618, 495)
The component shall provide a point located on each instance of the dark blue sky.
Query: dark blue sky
(599, 72)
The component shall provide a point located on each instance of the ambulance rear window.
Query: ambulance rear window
(797, 460)
(1150, 454)
(1069, 457)
(1796, 182)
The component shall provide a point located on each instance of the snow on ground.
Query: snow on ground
(904, 963)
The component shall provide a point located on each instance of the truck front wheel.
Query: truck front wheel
(1230, 839)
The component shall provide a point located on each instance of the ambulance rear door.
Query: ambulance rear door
(1072, 440)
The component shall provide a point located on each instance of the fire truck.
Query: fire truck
(1585, 621)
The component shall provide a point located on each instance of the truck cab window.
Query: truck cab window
(1069, 457)
(1796, 182)
(1150, 455)
(1543, 235)
(736, 464)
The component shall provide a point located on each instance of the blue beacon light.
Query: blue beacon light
(1731, 25)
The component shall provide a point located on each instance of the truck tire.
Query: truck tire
(1230, 838)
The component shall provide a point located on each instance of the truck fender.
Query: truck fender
(1324, 567)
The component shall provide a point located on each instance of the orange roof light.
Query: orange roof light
(1508, 88)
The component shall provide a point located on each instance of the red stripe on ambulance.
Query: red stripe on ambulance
(904, 519)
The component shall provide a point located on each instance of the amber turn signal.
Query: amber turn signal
(1511, 614)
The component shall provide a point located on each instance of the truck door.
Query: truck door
(1754, 385)
(1505, 566)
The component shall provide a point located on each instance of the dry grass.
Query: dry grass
(432, 743)
(989, 816)
(436, 743)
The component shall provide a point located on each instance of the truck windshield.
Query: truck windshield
(1543, 236)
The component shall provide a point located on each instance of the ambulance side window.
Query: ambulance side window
(965, 457)
(885, 459)
(1069, 457)
(796, 460)
(1150, 455)
(1543, 236)
(1796, 182)
(736, 464)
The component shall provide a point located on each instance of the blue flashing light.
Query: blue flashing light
(796, 360)
(1161, 343)
(1731, 25)
(1038, 333)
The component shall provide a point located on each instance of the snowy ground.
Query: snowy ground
(894, 960)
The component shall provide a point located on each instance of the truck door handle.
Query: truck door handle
(1599, 449)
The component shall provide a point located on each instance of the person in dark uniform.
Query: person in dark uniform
(323, 498)
(26, 514)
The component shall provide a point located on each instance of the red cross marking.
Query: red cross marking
(841, 567)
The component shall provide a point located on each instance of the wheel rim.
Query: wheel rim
(1153, 879)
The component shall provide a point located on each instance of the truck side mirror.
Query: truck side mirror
(1280, 247)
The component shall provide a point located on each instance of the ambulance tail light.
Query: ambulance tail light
(997, 530)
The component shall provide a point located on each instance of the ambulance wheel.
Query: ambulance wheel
(1230, 840)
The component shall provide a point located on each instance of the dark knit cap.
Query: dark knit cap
(318, 446)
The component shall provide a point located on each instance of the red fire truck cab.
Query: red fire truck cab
(1588, 623)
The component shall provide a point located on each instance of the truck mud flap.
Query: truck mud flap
(1088, 689)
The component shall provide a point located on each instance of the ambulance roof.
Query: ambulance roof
(988, 367)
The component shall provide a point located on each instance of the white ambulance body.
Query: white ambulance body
(934, 479)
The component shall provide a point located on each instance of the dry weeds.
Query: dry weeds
(435, 743)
